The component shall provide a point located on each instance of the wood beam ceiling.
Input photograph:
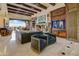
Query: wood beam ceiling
(40, 5)
(26, 5)
(53, 4)
(19, 11)
(10, 5)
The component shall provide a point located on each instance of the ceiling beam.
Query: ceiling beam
(40, 5)
(31, 7)
(10, 5)
(53, 4)
(20, 11)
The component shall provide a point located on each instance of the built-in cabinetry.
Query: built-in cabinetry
(58, 22)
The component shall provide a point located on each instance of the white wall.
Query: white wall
(3, 14)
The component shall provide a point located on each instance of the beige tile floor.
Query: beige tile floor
(9, 46)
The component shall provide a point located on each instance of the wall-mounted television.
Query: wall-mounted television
(59, 24)
(62, 24)
(55, 24)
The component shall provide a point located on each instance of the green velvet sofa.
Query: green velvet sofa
(40, 41)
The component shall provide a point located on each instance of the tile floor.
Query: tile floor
(9, 46)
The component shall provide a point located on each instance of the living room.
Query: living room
(39, 29)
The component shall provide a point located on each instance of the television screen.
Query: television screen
(17, 23)
(60, 24)
(55, 24)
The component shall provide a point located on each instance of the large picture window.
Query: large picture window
(17, 23)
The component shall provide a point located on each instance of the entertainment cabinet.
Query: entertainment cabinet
(58, 22)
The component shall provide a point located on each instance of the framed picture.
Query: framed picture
(41, 19)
